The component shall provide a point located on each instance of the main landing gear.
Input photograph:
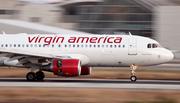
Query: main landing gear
(31, 76)
(133, 78)
(39, 75)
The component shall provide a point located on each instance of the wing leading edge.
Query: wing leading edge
(24, 57)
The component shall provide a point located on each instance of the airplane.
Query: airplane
(74, 55)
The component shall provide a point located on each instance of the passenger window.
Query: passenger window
(82, 45)
(39, 45)
(123, 46)
(53, 45)
(27, 45)
(114, 46)
(86, 46)
(106, 46)
(94, 46)
(65, 45)
(1, 45)
(149, 46)
(78, 46)
(6, 45)
(47, 45)
(59, 45)
(89, 45)
(18, 45)
(23, 45)
(14, 45)
(31, 45)
(10, 45)
(98, 46)
(119, 46)
(69, 45)
(44, 45)
(102, 46)
(111, 46)
(73, 45)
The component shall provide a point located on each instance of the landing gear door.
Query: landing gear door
(132, 47)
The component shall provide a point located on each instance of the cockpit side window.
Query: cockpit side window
(154, 46)
(159, 45)
(149, 46)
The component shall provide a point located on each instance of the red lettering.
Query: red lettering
(47, 40)
(61, 40)
(105, 39)
(36, 39)
(87, 38)
(109, 39)
(30, 40)
(54, 39)
(40, 39)
(93, 40)
(100, 39)
(118, 40)
(72, 40)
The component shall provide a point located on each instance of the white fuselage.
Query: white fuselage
(94, 50)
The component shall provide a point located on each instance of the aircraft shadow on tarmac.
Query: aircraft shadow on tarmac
(91, 81)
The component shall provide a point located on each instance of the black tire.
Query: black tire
(133, 78)
(40, 75)
(31, 76)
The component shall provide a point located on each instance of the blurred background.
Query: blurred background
(157, 19)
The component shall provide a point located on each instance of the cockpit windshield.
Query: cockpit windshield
(154, 45)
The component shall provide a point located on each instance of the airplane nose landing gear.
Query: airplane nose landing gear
(133, 78)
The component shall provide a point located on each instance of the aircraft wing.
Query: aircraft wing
(25, 56)
(38, 58)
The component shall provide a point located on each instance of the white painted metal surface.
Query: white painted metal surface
(92, 50)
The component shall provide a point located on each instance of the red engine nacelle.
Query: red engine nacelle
(64, 67)
(86, 70)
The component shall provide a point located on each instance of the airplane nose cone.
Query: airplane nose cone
(169, 55)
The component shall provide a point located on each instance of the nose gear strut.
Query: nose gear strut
(133, 78)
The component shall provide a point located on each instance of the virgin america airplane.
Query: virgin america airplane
(69, 55)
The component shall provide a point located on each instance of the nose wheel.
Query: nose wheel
(133, 78)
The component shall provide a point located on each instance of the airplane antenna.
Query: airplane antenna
(130, 33)
(3, 32)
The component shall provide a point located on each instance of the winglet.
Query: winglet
(3, 32)
(130, 33)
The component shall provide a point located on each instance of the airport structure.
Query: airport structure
(157, 19)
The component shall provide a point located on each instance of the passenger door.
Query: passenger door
(132, 47)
